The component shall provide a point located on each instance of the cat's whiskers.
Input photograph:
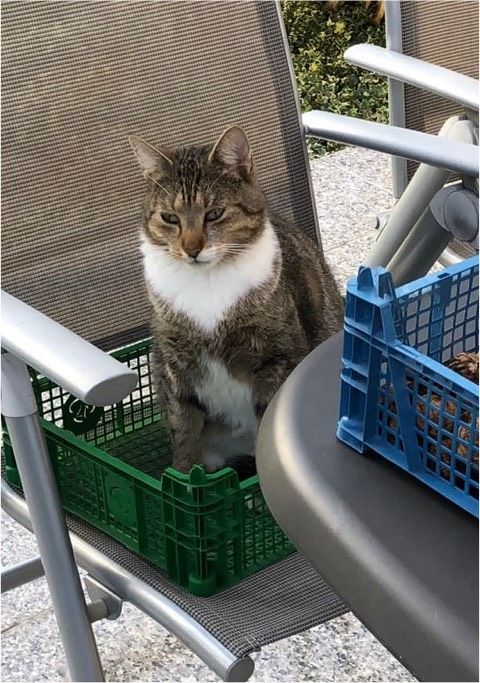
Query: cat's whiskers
(235, 250)
(235, 245)
(160, 186)
(212, 185)
(216, 252)
(176, 254)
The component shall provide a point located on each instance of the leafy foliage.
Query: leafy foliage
(318, 36)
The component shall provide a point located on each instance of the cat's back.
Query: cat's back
(309, 280)
(296, 246)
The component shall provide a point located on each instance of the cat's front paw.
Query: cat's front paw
(213, 461)
(182, 463)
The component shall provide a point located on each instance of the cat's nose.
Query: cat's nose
(193, 251)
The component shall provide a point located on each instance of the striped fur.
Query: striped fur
(238, 299)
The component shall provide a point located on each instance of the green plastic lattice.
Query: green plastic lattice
(207, 531)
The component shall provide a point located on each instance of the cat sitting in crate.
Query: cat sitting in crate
(239, 296)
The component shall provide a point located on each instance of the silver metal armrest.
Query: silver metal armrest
(429, 149)
(75, 364)
(449, 84)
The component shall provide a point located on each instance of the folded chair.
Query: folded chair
(439, 33)
(78, 79)
(445, 35)
(429, 150)
(433, 33)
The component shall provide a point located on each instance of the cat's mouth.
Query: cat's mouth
(207, 257)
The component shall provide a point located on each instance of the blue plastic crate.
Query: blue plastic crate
(397, 398)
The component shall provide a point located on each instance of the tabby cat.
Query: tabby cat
(239, 295)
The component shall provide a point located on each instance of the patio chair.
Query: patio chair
(439, 33)
(78, 79)
(430, 32)
(425, 219)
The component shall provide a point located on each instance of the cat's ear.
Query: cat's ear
(232, 149)
(150, 158)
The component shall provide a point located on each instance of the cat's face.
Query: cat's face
(203, 204)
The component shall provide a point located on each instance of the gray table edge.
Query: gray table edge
(404, 559)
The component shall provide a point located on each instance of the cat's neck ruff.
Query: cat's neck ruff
(206, 295)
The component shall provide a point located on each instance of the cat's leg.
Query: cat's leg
(220, 446)
(284, 345)
(212, 446)
(187, 421)
(185, 415)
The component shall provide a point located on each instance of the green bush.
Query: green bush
(318, 36)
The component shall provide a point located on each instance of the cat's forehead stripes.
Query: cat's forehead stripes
(180, 206)
(192, 183)
(189, 171)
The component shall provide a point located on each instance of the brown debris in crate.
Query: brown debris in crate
(445, 419)
(464, 433)
(466, 364)
(447, 424)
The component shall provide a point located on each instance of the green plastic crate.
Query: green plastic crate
(207, 531)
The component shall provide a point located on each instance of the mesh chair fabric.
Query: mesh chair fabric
(78, 78)
(287, 598)
(443, 33)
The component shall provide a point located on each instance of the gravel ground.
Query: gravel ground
(351, 187)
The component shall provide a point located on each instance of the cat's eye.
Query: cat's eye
(170, 218)
(214, 214)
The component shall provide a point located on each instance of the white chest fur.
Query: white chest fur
(227, 399)
(206, 294)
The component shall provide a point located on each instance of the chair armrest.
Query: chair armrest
(449, 84)
(75, 364)
(428, 149)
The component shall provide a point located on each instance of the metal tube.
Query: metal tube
(449, 84)
(396, 93)
(418, 194)
(449, 258)
(130, 588)
(429, 149)
(19, 574)
(422, 188)
(59, 354)
(48, 521)
(419, 251)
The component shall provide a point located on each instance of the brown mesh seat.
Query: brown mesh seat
(445, 34)
(441, 33)
(78, 78)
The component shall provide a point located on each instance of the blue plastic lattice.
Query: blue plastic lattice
(397, 397)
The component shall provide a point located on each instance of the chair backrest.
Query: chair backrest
(443, 33)
(78, 78)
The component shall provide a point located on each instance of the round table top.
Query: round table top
(401, 556)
